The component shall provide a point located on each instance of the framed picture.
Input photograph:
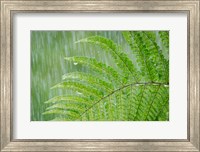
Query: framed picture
(100, 75)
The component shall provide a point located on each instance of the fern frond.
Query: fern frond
(66, 113)
(74, 108)
(157, 56)
(76, 99)
(89, 78)
(151, 90)
(110, 72)
(80, 87)
(139, 51)
(120, 57)
(152, 63)
(131, 93)
(149, 103)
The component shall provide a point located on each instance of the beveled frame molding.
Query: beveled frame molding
(10, 7)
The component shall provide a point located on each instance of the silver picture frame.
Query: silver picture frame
(11, 7)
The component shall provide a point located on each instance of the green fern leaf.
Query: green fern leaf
(67, 113)
(99, 67)
(70, 99)
(120, 57)
(152, 63)
(89, 78)
(77, 86)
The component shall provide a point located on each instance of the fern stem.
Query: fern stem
(123, 87)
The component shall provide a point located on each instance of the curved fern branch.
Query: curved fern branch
(123, 87)
(135, 92)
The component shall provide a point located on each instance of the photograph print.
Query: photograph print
(99, 75)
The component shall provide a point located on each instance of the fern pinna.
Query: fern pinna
(127, 91)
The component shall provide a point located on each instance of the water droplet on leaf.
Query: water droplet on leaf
(78, 93)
